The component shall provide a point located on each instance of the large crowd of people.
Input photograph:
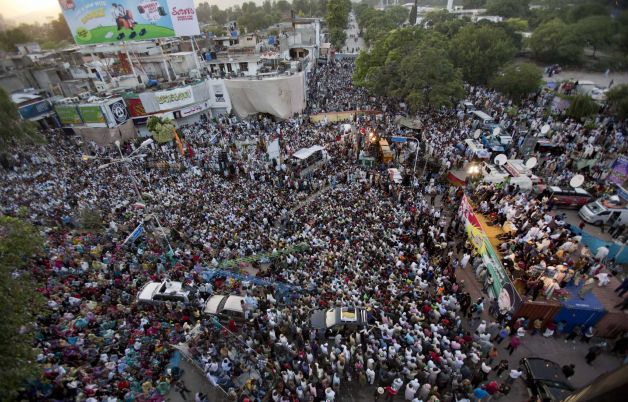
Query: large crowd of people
(385, 248)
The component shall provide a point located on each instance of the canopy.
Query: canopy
(305, 153)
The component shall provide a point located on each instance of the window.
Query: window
(229, 67)
(244, 66)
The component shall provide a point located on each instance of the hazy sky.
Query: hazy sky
(16, 8)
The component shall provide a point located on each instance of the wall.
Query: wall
(106, 136)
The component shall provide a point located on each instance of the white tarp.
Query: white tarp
(305, 153)
(273, 149)
(281, 96)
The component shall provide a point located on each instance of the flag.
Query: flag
(179, 143)
(190, 151)
(135, 234)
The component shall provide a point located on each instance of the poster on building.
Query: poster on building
(68, 114)
(119, 112)
(105, 21)
(34, 110)
(92, 114)
(174, 98)
(619, 171)
(135, 106)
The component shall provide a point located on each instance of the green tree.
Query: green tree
(59, 30)
(19, 304)
(582, 106)
(471, 4)
(430, 78)
(337, 19)
(338, 37)
(508, 8)
(11, 37)
(585, 10)
(411, 64)
(518, 80)
(412, 17)
(517, 24)
(12, 129)
(161, 128)
(618, 100)
(555, 42)
(595, 31)
(479, 51)
(204, 12)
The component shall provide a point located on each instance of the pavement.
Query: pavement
(601, 79)
(353, 44)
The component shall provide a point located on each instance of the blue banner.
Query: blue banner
(35, 109)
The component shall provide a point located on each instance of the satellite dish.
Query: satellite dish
(500, 160)
(576, 181)
(477, 133)
(530, 163)
(545, 129)
(497, 130)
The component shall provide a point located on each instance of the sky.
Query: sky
(38, 10)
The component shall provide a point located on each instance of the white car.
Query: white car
(226, 307)
(161, 292)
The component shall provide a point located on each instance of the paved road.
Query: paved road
(353, 43)
(600, 79)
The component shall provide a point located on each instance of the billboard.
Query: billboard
(106, 21)
(68, 114)
(92, 114)
(34, 110)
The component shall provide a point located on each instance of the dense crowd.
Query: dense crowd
(379, 246)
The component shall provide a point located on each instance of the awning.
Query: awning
(305, 153)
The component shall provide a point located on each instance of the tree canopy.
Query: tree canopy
(480, 50)
(517, 80)
(377, 23)
(508, 8)
(12, 129)
(595, 31)
(582, 106)
(411, 64)
(555, 42)
(618, 100)
(161, 128)
(19, 304)
(337, 20)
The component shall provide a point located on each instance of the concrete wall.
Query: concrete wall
(106, 136)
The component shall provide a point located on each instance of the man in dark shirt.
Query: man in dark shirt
(568, 370)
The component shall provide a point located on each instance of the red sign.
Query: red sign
(136, 109)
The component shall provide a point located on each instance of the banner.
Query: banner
(34, 109)
(106, 21)
(174, 98)
(92, 114)
(619, 171)
(136, 108)
(479, 239)
(119, 112)
(183, 14)
(68, 114)
(194, 109)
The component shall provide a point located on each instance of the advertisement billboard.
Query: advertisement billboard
(105, 21)
(34, 110)
(136, 108)
(68, 114)
(92, 114)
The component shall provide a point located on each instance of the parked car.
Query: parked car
(606, 210)
(334, 320)
(225, 307)
(545, 379)
(161, 292)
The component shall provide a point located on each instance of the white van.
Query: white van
(606, 210)
(518, 168)
(484, 119)
(497, 174)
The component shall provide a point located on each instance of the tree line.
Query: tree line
(250, 17)
(51, 35)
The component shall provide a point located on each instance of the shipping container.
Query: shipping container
(545, 310)
(586, 311)
(615, 322)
